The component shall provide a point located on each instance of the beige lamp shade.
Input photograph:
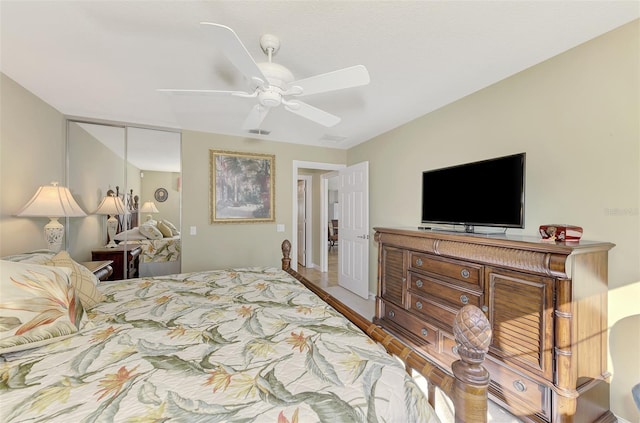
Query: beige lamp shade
(111, 205)
(52, 201)
(149, 207)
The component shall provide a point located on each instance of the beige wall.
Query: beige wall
(169, 209)
(227, 245)
(32, 154)
(577, 117)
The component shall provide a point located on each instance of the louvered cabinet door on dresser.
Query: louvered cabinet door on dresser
(547, 304)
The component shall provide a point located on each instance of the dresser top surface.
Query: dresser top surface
(503, 240)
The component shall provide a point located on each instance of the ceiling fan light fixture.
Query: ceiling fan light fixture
(270, 98)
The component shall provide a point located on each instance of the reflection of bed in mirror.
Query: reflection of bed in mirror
(159, 239)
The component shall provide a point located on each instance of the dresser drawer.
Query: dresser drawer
(415, 326)
(435, 310)
(454, 269)
(453, 294)
(523, 393)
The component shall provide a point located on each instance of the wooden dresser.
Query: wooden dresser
(547, 304)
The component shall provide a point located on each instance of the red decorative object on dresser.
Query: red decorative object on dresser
(561, 232)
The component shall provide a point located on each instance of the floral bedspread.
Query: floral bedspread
(159, 250)
(223, 346)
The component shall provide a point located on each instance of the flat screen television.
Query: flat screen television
(485, 193)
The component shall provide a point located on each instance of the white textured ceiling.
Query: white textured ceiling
(105, 59)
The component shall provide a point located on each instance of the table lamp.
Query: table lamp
(149, 207)
(111, 206)
(52, 201)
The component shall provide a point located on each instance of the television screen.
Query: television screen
(484, 193)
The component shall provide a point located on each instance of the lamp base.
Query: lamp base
(112, 227)
(54, 233)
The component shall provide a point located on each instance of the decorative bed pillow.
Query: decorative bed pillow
(131, 235)
(150, 231)
(174, 230)
(166, 231)
(38, 306)
(82, 279)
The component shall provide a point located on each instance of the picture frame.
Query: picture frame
(242, 187)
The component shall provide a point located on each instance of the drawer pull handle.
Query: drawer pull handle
(419, 283)
(454, 350)
(419, 262)
(520, 387)
(465, 273)
(419, 305)
(392, 314)
(464, 299)
(485, 308)
(424, 332)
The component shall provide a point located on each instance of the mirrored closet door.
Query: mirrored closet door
(127, 178)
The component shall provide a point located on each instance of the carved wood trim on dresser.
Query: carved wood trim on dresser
(547, 304)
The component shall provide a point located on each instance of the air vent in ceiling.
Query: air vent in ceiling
(335, 139)
(259, 131)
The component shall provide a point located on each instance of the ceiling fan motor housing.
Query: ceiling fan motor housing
(277, 75)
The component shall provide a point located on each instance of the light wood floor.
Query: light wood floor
(323, 279)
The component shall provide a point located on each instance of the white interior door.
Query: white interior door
(353, 229)
(302, 212)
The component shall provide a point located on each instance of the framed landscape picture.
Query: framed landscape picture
(242, 187)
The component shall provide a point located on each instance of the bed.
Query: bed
(160, 244)
(246, 344)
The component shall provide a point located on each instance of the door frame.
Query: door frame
(324, 230)
(299, 164)
(308, 229)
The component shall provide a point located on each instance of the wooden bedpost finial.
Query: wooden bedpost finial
(286, 251)
(473, 336)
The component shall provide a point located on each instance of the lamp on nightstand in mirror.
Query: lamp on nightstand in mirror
(111, 206)
(149, 207)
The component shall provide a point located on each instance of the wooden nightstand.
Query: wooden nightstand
(118, 257)
(102, 269)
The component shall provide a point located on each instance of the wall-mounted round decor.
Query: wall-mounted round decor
(161, 195)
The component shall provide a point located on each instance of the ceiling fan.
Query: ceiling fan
(273, 84)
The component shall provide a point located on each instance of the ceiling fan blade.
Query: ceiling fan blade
(202, 92)
(336, 80)
(235, 51)
(307, 111)
(255, 117)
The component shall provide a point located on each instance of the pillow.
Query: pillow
(174, 230)
(82, 279)
(166, 231)
(132, 235)
(35, 257)
(38, 306)
(150, 231)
